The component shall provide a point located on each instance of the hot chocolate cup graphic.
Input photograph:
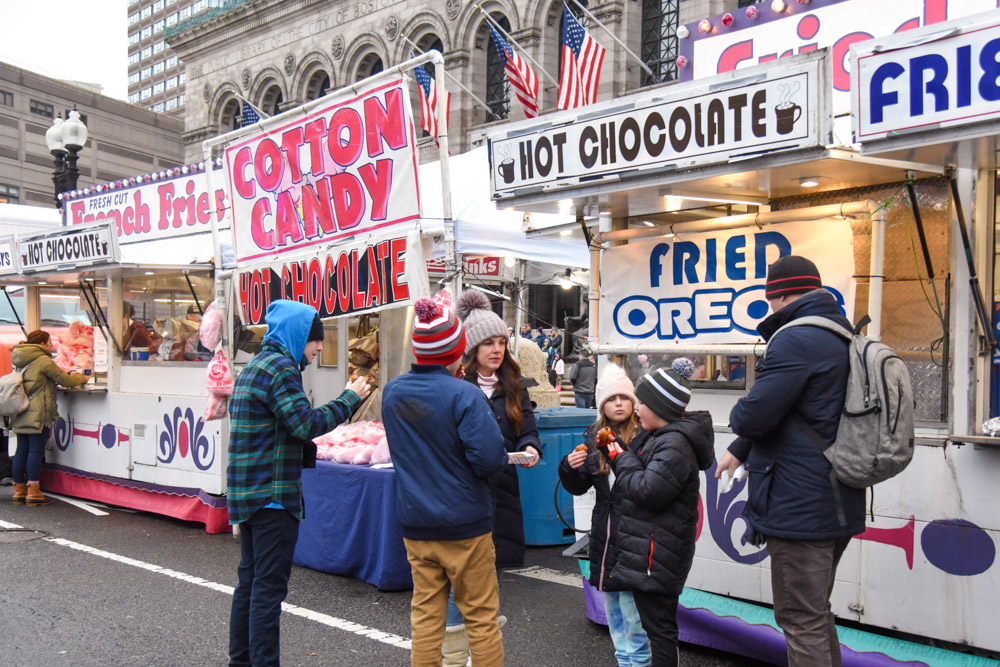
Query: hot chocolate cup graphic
(787, 114)
(506, 170)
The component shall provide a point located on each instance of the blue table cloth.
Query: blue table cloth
(350, 527)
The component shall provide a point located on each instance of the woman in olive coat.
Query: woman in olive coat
(40, 376)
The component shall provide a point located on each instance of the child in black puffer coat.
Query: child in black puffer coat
(659, 477)
(581, 470)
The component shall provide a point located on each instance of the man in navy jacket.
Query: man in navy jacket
(792, 504)
(445, 442)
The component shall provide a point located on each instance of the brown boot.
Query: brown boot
(35, 497)
(20, 491)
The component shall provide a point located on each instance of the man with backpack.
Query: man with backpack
(804, 515)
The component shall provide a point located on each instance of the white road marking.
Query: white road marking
(550, 575)
(82, 504)
(325, 619)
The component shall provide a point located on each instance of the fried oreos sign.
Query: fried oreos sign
(775, 107)
(69, 248)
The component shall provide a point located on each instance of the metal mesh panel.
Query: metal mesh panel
(909, 322)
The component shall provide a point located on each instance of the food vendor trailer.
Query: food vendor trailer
(902, 227)
(134, 435)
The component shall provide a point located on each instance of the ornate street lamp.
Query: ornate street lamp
(65, 139)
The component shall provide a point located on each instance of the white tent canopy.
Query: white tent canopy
(482, 229)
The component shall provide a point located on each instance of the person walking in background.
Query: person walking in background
(584, 380)
(490, 367)
(579, 471)
(558, 369)
(659, 477)
(6, 472)
(272, 424)
(445, 443)
(40, 377)
(555, 340)
(792, 505)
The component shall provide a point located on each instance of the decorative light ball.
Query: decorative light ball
(86, 191)
(131, 181)
(218, 162)
(201, 165)
(681, 62)
(177, 171)
(683, 32)
(59, 196)
(184, 169)
(777, 6)
(705, 25)
(751, 12)
(727, 19)
(803, 2)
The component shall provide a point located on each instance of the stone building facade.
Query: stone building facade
(123, 140)
(277, 54)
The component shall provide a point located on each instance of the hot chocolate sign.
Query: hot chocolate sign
(780, 106)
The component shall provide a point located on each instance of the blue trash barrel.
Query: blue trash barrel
(560, 430)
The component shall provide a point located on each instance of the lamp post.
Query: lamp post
(65, 139)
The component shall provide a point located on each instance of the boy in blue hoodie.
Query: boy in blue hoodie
(272, 424)
(445, 442)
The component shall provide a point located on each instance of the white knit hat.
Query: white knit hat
(481, 323)
(613, 382)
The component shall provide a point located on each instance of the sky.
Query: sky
(94, 50)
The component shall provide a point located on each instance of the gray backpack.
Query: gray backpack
(875, 437)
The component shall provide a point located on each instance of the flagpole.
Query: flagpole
(455, 81)
(451, 262)
(619, 42)
(510, 39)
(260, 112)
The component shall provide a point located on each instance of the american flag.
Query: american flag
(428, 103)
(521, 76)
(249, 115)
(582, 57)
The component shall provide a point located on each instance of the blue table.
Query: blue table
(350, 527)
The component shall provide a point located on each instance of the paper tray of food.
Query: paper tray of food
(521, 458)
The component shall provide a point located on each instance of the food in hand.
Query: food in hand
(580, 448)
(604, 437)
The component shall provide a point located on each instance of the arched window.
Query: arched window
(497, 85)
(271, 102)
(659, 39)
(231, 115)
(317, 86)
(370, 65)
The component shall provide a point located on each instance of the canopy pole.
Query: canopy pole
(875, 274)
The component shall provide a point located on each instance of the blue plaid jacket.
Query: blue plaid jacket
(271, 428)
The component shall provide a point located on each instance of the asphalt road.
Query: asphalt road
(131, 588)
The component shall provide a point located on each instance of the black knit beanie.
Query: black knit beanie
(791, 275)
(666, 391)
(316, 332)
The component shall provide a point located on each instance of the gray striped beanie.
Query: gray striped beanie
(665, 391)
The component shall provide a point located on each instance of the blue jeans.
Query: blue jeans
(27, 463)
(267, 542)
(454, 615)
(584, 400)
(630, 640)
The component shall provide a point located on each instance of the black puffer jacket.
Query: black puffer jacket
(659, 481)
(607, 511)
(805, 372)
(508, 519)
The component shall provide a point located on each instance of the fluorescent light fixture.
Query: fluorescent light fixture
(674, 199)
(809, 181)
(150, 273)
(510, 261)
(566, 232)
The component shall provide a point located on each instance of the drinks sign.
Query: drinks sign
(732, 116)
(8, 257)
(906, 84)
(69, 248)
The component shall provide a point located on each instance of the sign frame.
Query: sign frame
(251, 278)
(109, 248)
(8, 243)
(941, 40)
(526, 141)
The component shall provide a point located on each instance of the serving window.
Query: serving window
(161, 317)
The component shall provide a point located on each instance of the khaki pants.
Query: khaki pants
(802, 576)
(470, 567)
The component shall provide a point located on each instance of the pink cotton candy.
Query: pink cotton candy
(210, 330)
(344, 454)
(363, 455)
(216, 408)
(381, 453)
